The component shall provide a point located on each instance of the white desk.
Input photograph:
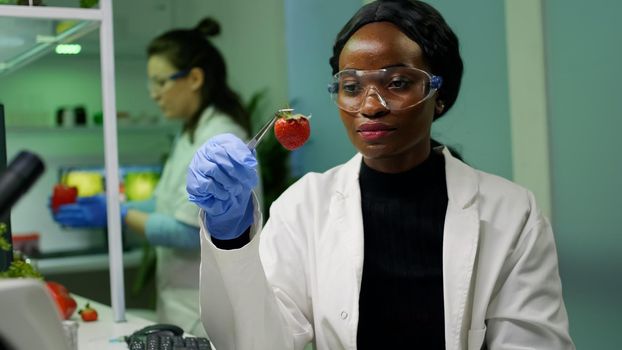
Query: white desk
(104, 333)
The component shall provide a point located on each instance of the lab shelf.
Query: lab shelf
(68, 262)
(23, 17)
(25, 40)
(122, 129)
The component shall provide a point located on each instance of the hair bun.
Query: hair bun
(208, 27)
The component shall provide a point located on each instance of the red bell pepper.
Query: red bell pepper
(63, 194)
(65, 303)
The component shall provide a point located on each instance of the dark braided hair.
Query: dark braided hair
(422, 24)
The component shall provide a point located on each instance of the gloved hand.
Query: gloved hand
(86, 212)
(220, 179)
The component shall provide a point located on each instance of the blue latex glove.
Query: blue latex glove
(86, 212)
(220, 179)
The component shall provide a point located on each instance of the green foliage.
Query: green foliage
(26, 2)
(146, 273)
(272, 157)
(20, 269)
(88, 3)
(275, 171)
(4, 244)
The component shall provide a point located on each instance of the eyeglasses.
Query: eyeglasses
(396, 88)
(157, 85)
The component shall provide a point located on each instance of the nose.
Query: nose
(154, 94)
(374, 105)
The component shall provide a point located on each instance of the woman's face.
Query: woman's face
(178, 98)
(390, 141)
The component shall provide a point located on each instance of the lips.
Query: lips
(374, 127)
(374, 131)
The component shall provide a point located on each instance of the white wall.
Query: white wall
(312, 26)
(583, 71)
(252, 40)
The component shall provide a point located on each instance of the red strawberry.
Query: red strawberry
(292, 131)
(88, 314)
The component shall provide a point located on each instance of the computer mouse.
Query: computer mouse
(159, 328)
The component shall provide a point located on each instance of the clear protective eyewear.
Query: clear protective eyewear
(396, 88)
(156, 85)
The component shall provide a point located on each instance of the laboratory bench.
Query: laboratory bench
(87, 274)
(105, 333)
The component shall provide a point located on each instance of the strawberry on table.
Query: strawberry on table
(292, 130)
(88, 314)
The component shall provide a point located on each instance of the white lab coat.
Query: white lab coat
(299, 279)
(177, 272)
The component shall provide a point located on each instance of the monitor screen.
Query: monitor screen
(136, 183)
(30, 319)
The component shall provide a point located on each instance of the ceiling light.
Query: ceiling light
(68, 49)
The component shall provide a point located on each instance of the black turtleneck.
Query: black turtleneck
(401, 298)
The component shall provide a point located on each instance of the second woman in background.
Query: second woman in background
(188, 80)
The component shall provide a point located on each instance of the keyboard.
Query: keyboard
(165, 337)
(168, 342)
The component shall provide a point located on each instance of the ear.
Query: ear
(196, 78)
(439, 106)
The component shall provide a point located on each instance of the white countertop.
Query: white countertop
(36, 323)
(104, 333)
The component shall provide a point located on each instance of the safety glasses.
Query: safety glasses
(157, 85)
(396, 88)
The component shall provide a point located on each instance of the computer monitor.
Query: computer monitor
(137, 182)
(30, 319)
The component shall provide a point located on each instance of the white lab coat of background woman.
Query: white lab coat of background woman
(178, 269)
(299, 279)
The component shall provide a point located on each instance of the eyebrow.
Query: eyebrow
(384, 67)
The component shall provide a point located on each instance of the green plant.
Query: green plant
(146, 272)
(272, 157)
(88, 3)
(18, 267)
(27, 2)
(4, 244)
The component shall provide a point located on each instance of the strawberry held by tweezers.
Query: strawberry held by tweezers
(291, 130)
